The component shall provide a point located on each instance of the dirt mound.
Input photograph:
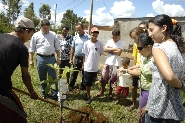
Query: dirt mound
(92, 117)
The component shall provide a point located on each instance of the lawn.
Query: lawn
(42, 112)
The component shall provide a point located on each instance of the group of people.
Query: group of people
(158, 66)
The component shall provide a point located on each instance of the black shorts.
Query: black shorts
(64, 63)
(135, 81)
(89, 78)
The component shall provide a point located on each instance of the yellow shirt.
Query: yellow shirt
(136, 54)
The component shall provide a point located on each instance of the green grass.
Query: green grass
(41, 112)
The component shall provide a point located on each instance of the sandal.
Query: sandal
(117, 102)
(131, 108)
(96, 96)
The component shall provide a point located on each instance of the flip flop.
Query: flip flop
(96, 96)
(131, 108)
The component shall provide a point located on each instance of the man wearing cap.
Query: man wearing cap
(76, 51)
(45, 44)
(13, 52)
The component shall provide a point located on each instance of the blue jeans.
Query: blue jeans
(43, 70)
(149, 119)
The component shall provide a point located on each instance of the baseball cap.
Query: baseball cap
(94, 29)
(24, 23)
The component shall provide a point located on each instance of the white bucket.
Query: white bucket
(125, 80)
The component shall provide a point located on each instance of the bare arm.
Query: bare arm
(109, 49)
(134, 67)
(58, 57)
(27, 81)
(117, 52)
(164, 67)
(71, 55)
(31, 62)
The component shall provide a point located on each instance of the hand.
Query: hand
(31, 62)
(33, 95)
(71, 62)
(58, 61)
(143, 112)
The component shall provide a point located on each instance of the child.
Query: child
(92, 50)
(114, 49)
(134, 33)
(120, 89)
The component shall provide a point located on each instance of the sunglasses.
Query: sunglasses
(140, 48)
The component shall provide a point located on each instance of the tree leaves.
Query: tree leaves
(45, 12)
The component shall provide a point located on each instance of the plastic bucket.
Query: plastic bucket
(125, 80)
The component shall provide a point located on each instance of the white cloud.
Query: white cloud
(123, 9)
(150, 15)
(2, 8)
(59, 17)
(126, 9)
(87, 12)
(171, 10)
(100, 18)
(24, 2)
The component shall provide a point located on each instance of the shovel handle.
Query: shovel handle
(26, 93)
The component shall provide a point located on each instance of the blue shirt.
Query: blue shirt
(78, 42)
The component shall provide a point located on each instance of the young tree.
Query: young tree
(70, 19)
(4, 24)
(13, 9)
(30, 13)
(45, 12)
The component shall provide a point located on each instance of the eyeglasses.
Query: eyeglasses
(140, 48)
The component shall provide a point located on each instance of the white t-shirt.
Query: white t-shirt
(113, 59)
(92, 52)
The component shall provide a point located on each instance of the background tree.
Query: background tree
(70, 19)
(13, 9)
(30, 13)
(45, 12)
(4, 24)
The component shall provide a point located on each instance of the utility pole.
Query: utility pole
(90, 18)
(55, 17)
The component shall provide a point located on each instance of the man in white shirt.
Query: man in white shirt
(45, 44)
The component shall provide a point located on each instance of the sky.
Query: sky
(105, 11)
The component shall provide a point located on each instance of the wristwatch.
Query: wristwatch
(59, 58)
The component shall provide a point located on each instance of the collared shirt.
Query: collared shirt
(65, 46)
(45, 44)
(78, 42)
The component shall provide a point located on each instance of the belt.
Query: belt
(45, 55)
(78, 56)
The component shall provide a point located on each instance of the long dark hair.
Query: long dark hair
(173, 30)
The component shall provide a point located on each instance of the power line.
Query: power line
(107, 8)
(78, 4)
(68, 5)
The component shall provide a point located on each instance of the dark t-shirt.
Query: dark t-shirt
(13, 52)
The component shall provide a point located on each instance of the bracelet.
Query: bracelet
(59, 58)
